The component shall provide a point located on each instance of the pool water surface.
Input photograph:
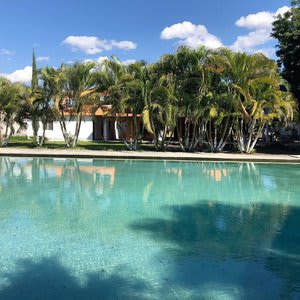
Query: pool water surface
(125, 229)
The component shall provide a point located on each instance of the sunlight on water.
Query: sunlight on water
(102, 229)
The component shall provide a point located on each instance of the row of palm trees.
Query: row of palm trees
(195, 96)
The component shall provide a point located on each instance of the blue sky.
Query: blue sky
(69, 30)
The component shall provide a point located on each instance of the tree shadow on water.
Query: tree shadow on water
(49, 279)
(253, 247)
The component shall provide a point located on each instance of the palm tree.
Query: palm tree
(268, 103)
(152, 95)
(42, 101)
(73, 85)
(217, 107)
(12, 98)
(113, 79)
(187, 68)
(33, 106)
(137, 90)
(255, 90)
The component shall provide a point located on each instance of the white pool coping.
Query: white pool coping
(199, 156)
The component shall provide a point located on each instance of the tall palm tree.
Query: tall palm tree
(111, 79)
(73, 84)
(255, 90)
(42, 100)
(191, 86)
(13, 96)
(152, 94)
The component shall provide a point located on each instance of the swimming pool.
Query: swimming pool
(125, 229)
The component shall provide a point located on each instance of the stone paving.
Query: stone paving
(200, 156)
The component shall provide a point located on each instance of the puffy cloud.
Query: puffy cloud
(251, 40)
(93, 45)
(128, 62)
(98, 60)
(126, 45)
(260, 20)
(23, 75)
(191, 35)
(282, 10)
(268, 52)
(43, 58)
(6, 52)
(102, 59)
(261, 26)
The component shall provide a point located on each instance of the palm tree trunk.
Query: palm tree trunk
(35, 129)
(62, 123)
(240, 136)
(250, 132)
(6, 129)
(122, 136)
(170, 138)
(180, 141)
(224, 137)
(192, 142)
(257, 136)
(77, 129)
(187, 134)
(135, 131)
(210, 138)
(0, 127)
(43, 135)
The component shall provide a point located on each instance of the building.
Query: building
(99, 125)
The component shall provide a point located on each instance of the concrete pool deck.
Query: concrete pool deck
(199, 156)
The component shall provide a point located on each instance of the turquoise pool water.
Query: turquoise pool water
(100, 229)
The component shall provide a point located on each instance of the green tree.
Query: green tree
(74, 84)
(155, 94)
(34, 79)
(44, 99)
(110, 79)
(286, 29)
(186, 68)
(13, 99)
(254, 85)
(33, 105)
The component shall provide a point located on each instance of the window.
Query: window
(49, 126)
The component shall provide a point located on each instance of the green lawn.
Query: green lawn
(23, 142)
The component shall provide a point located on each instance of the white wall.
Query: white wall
(22, 132)
(85, 134)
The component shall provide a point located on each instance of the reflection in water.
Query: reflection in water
(190, 230)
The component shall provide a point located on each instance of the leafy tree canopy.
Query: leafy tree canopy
(286, 29)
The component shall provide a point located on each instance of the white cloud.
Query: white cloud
(98, 60)
(191, 35)
(261, 20)
(93, 45)
(6, 52)
(251, 40)
(43, 58)
(268, 52)
(128, 62)
(126, 45)
(23, 75)
(282, 10)
(261, 26)
(102, 59)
